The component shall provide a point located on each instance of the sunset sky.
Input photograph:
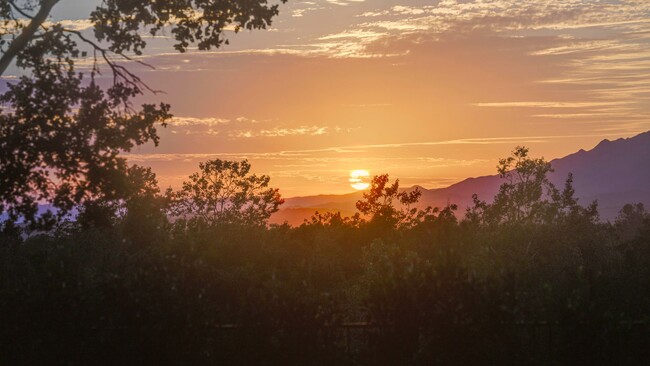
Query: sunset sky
(431, 92)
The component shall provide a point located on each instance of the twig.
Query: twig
(119, 71)
(19, 10)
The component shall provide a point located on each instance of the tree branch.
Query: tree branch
(119, 71)
(19, 10)
(26, 35)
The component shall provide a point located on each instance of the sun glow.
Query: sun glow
(359, 179)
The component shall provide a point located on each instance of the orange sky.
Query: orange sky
(431, 92)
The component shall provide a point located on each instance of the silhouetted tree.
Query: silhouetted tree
(140, 207)
(333, 219)
(388, 206)
(60, 132)
(225, 192)
(631, 220)
(143, 212)
(528, 196)
(521, 197)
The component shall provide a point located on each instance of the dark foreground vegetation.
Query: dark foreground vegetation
(193, 278)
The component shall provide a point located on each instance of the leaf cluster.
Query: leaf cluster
(226, 192)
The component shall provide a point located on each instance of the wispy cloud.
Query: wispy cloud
(193, 121)
(550, 104)
(282, 132)
(344, 2)
(506, 17)
(305, 154)
(245, 128)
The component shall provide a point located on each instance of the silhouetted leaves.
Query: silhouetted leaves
(61, 134)
(224, 192)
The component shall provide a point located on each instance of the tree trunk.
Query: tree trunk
(26, 35)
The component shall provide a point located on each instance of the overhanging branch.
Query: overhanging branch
(119, 71)
(26, 35)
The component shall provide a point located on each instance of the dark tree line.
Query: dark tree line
(191, 277)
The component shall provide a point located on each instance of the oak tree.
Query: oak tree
(61, 131)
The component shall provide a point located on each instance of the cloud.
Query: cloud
(282, 132)
(74, 24)
(205, 126)
(305, 154)
(506, 17)
(243, 128)
(300, 9)
(192, 122)
(586, 46)
(549, 104)
(344, 2)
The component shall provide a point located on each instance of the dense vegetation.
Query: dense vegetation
(530, 277)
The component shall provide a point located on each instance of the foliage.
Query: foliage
(191, 22)
(140, 205)
(225, 192)
(333, 219)
(60, 132)
(527, 195)
(521, 197)
(430, 310)
(563, 290)
(387, 206)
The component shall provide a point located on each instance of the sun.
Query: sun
(359, 179)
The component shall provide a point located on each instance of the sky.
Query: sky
(430, 92)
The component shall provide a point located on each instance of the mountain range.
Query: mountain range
(613, 173)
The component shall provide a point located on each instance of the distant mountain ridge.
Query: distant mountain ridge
(613, 173)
